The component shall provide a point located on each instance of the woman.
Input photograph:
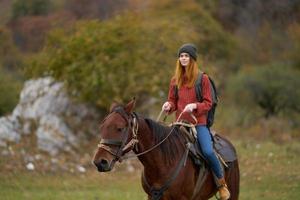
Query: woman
(185, 76)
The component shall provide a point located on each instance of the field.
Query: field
(269, 171)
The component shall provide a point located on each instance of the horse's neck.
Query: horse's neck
(153, 160)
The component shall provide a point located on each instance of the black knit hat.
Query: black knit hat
(189, 48)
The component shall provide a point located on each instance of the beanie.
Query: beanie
(191, 49)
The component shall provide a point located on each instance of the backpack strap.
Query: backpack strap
(198, 87)
(213, 90)
(176, 92)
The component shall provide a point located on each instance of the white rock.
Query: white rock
(8, 130)
(30, 166)
(81, 169)
(45, 109)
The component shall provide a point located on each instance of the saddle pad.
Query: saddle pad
(224, 148)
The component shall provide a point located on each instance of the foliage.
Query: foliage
(95, 9)
(293, 52)
(29, 32)
(130, 55)
(21, 8)
(212, 41)
(9, 72)
(9, 54)
(271, 88)
(9, 90)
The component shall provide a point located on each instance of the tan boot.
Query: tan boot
(223, 190)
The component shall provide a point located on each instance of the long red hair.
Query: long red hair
(190, 72)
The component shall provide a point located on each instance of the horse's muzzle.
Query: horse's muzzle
(103, 165)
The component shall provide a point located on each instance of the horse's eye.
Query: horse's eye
(120, 129)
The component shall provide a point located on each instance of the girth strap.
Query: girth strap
(156, 194)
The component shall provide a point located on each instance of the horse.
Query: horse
(168, 172)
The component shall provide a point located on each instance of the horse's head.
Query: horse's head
(118, 136)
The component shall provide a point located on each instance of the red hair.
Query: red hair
(191, 72)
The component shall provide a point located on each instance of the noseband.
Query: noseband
(123, 148)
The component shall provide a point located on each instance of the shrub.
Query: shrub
(273, 89)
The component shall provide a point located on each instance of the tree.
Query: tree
(271, 88)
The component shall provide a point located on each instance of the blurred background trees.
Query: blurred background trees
(114, 50)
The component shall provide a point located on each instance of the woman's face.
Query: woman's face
(184, 59)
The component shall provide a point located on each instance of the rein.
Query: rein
(123, 149)
(158, 144)
(158, 193)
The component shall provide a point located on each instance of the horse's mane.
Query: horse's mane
(171, 147)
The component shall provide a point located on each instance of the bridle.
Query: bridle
(131, 120)
(123, 148)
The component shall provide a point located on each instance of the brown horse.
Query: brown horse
(169, 173)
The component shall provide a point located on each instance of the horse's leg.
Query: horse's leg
(233, 180)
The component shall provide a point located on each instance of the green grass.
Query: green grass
(268, 171)
(92, 186)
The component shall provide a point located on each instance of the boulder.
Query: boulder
(46, 110)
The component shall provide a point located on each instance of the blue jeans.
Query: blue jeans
(206, 145)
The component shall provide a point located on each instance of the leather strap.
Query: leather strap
(111, 142)
(156, 194)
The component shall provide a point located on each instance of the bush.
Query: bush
(21, 8)
(273, 89)
(9, 92)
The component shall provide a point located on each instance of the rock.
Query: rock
(30, 166)
(81, 169)
(9, 130)
(53, 135)
(46, 110)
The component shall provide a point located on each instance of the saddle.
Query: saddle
(223, 148)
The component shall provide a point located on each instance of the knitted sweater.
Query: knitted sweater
(187, 95)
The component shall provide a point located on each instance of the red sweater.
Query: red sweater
(188, 95)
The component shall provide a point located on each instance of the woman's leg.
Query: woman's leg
(206, 145)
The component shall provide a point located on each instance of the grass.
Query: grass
(92, 186)
(268, 171)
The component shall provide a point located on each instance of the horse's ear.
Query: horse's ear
(113, 105)
(130, 106)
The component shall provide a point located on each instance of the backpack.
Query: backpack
(214, 97)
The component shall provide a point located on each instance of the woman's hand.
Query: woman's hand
(166, 107)
(190, 107)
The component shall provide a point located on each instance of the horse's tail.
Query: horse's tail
(233, 180)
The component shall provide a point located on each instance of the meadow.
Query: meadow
(268, 171)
